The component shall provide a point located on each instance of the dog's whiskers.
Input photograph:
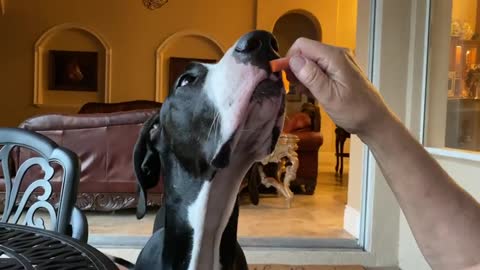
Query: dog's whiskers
(213, 125)
(217, 124)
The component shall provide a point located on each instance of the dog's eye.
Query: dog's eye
(186, 79)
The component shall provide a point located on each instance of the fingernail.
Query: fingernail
(296, 63)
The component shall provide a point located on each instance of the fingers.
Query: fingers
(310, 75)
(310, 48)
(318, 52)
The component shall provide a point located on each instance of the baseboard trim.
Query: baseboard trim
(138, 241)
(351, 221)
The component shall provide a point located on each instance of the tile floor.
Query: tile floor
(317, 216)
(313, 216)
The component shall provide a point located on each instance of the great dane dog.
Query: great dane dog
(219, 119)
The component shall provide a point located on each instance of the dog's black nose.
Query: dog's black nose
(257, 41)
(257, 47)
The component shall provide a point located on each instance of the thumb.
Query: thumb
(309, 74)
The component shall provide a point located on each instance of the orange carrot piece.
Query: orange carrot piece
(279, 64)
(286, 83)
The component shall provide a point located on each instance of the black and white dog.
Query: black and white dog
(219, 120)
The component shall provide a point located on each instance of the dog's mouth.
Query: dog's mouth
(267, 88)
(253, 98)
(263, 118)
(259, 128)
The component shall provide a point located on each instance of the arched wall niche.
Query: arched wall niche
(71, 39)
(188, 44)
(287, 28)
(294, 24)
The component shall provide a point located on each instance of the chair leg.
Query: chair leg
(253, 190)
(337, 146)
(79, 225)
(342, 144)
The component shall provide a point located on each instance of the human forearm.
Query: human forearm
(444, 219)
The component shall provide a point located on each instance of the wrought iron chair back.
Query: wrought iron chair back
(63, 213)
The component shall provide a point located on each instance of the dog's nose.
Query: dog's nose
(258, 48)
(257, 41)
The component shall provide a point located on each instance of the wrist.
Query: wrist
(380, 129)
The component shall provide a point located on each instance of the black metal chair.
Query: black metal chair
(48, 158)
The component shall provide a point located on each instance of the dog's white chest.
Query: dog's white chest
(205, 255)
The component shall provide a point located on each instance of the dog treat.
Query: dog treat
(286, 83)
(279, 64)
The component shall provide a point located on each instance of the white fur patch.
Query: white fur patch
(230, 85)
(196, 217)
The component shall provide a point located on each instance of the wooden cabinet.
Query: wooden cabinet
(463, 108)
(463, 124)
(464, 62)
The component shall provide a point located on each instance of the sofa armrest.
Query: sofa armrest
(309, 140)
(101, 107)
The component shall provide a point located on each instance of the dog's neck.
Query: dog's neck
(197, 214)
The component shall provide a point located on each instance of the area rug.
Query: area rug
(302, 267)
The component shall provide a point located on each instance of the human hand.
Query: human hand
(333, 77)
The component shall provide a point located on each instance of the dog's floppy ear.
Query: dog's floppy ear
(146, 161)
(222, 158)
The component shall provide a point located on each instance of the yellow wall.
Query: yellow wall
(180, 45)
(134, 33)
(291, 26)
(337, 19)
(347, 23)
(345, 37)
(269, 11)
(465, 10)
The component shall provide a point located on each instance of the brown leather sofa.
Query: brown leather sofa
(104, 143)
(306, 124)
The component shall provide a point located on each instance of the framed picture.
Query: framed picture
(73, 70)
(177, 66)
